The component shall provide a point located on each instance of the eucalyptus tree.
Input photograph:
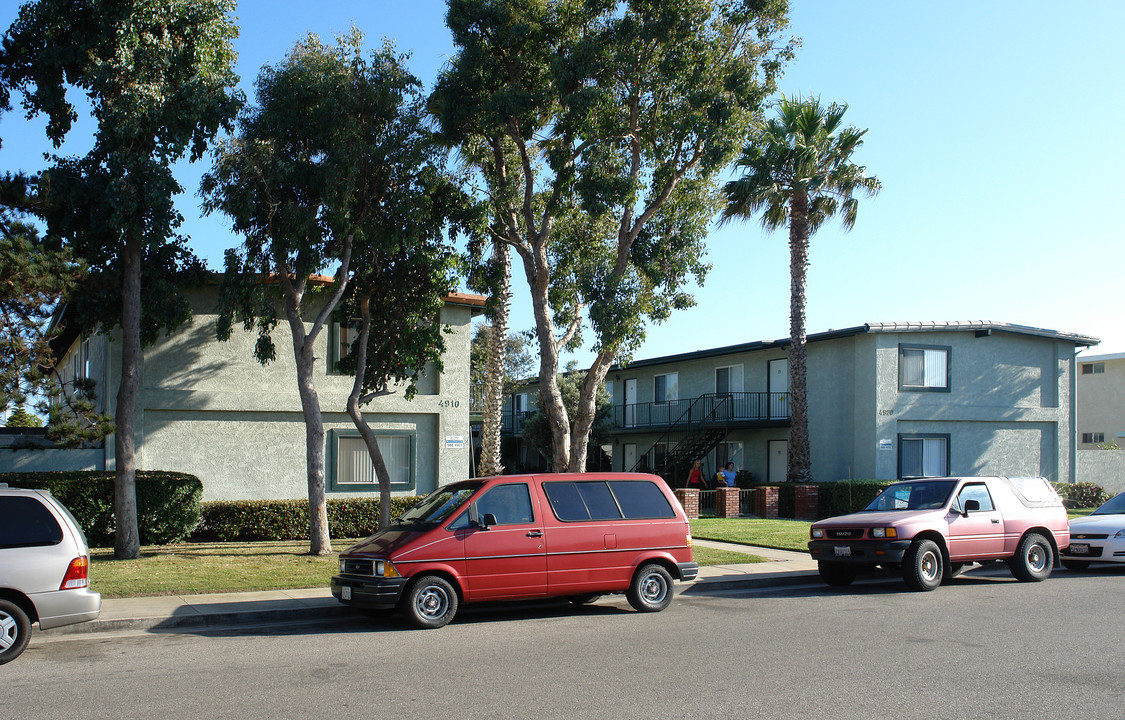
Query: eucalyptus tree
(158, 75)
(599, 129)
(798, 172)
(403, 269)
(311, 167)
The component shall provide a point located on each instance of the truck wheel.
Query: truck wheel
(15, 631)
(1033, 559)
(922, 566)
(836, 574)
(650, 589)
(1076, 565)
(431, 602)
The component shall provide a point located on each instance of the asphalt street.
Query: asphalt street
(982, 646)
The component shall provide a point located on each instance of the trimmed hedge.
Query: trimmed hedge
(260, 520)
(1081, 495)
(168, 503)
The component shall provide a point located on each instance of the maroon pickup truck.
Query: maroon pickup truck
(932, 528)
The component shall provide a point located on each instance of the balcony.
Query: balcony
(730, 409)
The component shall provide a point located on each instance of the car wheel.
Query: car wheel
(836, 574)
(431, 602)
(922, 565)
(1076, 565)
(15, 631)
(1033, 559)
(651, 589)
(583, 599)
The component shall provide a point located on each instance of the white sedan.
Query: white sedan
(1098, 537)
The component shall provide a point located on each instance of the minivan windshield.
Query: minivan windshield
(918, 495)
(439, 505)
(1115, 506)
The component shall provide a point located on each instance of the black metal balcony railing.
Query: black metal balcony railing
(710, 408)
(512, 423)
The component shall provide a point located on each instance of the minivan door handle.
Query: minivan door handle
(535, 533)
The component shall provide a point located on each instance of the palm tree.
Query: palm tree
(799, 172)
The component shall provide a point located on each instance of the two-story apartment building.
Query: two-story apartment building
(1101, 420)
(210, 409)
(886, 400)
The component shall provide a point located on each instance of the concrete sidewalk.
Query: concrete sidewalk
(185, 613)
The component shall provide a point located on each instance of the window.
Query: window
(924, 368)
(722, 381)
(80, 361)
(659, 455)
(1093, 438)
(667, 388)
(27, 523)
(597, 500)
(354, 470)
(511, 504)
(923, 456)
(975, 491)
(1097, 368)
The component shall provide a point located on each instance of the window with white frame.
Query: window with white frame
(924, 367)
(1097, 368)
(354, 470)
(923, 456)
(666, 388)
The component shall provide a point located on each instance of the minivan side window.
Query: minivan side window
(27, 523)
(597, 500)
(511, 504)
(641, 499)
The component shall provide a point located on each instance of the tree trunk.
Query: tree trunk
(319, 541)
(360, 422)
(587, 410)
(800, 453)
(127, 543)
(550, 399)
(491, 462)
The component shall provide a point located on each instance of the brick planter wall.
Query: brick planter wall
(765, 502)
(806, 500)
(689, 500)
(726, 502)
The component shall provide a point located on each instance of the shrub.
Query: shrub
(1081, 495)
(258, 520)
(167, 502)
(848, 496)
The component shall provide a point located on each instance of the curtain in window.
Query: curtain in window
(934, 368)
(911, 458)
(912, 368)
(354, 465)
(933, 457)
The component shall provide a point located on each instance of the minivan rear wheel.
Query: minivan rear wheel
(651, 589)
(431, 602)
(15, 631)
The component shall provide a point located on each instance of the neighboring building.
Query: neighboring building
(886, 400)
(210, 409)
(1101, 420)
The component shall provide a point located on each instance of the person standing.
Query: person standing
(695, 477)
(728, 474)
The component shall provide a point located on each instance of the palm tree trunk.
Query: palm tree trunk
(490, 458)
(800, 454)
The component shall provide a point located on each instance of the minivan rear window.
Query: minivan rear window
(26, 522)
(598, 500)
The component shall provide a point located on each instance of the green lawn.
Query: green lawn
(779, 534)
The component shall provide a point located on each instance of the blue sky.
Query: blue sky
(992, 126)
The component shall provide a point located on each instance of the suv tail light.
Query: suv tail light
(77, 575)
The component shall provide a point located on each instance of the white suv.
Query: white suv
(44, 568)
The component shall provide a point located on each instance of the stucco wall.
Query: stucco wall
(1103, 467)
(50, 460)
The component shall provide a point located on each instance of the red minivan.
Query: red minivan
(515, 537)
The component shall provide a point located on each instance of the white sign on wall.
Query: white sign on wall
(454, 442)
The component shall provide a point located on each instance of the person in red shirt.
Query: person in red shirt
(695, 478)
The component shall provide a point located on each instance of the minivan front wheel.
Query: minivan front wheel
(651, 589)
(431, 602)
(15, 631)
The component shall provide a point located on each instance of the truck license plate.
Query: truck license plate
(1079, 549)
(846, 551)
(345, 593)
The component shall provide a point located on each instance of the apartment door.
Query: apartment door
(778, 387)
(777, 462)
(630, 457)
(631, 403)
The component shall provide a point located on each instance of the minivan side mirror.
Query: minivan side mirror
(486, 521)
(971, 506)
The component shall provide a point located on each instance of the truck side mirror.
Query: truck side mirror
(971, 506)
